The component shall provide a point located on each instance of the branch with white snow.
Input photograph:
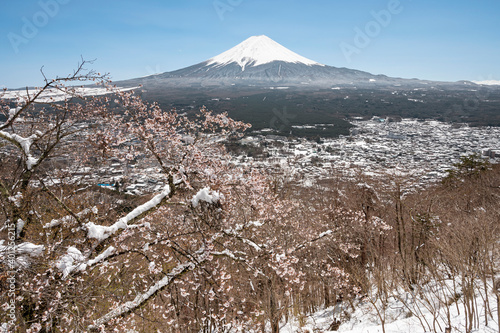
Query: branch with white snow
(69, 218)
(320, 236)
(206, 195)
(24, 144)
(21, 253)
(74, 260)
(101, 233)
(201, 256)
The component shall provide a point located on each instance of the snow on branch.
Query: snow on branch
(234, 233)
(11, 116)
(24, 144)
(206, 195)
(75, 260)
(227, 253)
(24, 248)
(101, 233)
(202, 256)
(21, 253)
(69, 218)
(320, 236)
(13, 113)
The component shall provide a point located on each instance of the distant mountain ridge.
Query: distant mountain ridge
(260, 61)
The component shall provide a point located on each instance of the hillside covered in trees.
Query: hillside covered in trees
(221, 247)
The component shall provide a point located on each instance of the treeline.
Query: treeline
(282, 109)
(442, 239)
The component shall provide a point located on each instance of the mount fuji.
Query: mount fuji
(260, 61)
(263, 83)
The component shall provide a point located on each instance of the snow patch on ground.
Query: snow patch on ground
(404, 312)
(56, 95)
(488, 82)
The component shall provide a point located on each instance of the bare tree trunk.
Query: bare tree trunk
(486, 300)
(326, 293)
(496, 287)
(498, 310)
(273, 310)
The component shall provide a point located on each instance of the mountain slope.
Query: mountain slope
(260, 61)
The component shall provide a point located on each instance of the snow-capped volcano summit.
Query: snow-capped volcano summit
(259, 50)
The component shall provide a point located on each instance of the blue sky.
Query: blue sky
(436, 40)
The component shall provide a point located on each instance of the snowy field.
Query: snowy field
(56, 95)
(427, 310)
